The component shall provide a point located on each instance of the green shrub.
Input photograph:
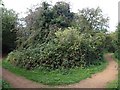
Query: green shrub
(116, 54)
(68, 50)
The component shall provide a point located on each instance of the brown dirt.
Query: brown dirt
(18, 81)
(98, 80)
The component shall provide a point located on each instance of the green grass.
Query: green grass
(113, 84)
(55, 77)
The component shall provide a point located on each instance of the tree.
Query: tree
(1, 5)
(118, 41)
(111, 42)
(9, 20)
(45, 16)
(62, 15)
(92, 19)
(39, 17)
(43, 21)
(38, 23)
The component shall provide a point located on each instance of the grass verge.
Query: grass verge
(55, 77)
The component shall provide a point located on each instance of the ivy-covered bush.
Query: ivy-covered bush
(68, 49)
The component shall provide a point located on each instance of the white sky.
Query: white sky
(109, 7)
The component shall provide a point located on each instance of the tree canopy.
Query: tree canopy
(9, 21)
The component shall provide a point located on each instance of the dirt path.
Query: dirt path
(98, 80)
(18, 81)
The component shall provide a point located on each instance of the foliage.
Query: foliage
(57, 38)
(47, 16)
(5, 85)
(111, 42)
(118, 42)
(62, 15)
(91, 19)
(9, 19)
(44, 20)
(69, 49)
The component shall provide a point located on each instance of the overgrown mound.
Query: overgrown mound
(68, 49)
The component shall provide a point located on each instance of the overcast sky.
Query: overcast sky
(109, 7)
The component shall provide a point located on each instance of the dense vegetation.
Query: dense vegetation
(117, 52)
(56, 38)
(9, 20)
(70, 51)
(52, 40)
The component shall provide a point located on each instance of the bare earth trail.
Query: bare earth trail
(98, 80)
